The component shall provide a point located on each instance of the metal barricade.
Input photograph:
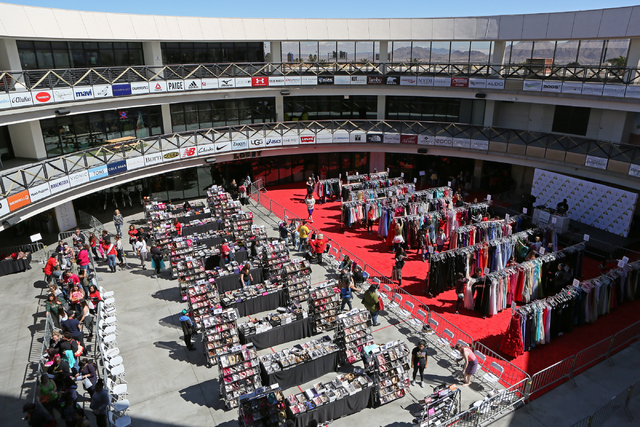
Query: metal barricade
(602, 415)
(549, 376)
(37, 250)
(623, 337)
(277, 209)
(511, 374)
(591, 355)
(458, 334)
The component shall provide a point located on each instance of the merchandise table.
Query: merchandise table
(261, 303)
(216, 260)
(188, 219)
(278, 335)
(334, 410)
(211, 241)
(10, 266)
(202, 228)
(232, 281)
(303, 373)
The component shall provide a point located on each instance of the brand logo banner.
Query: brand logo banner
(259, 81)
(78, 178)
(375, 80)
(309, 80)
(325, 80)
(21, 99)
(205, 150)
(139, 88)
(596, 162)
(425, 140)
(97, 173)
(552, 86)
(135, 163)
(290, 139)
(115, 168)
(122, 89)
(175, 85)
(193, 84)
(479, 144)
(276, 81)
(170, 155)
(532, 85)
(59, 184)
(571, 87)
(632, 92)
(408, 80)
(340, 137)
(4, 207)
(614, 90)
(209, 83)
(391, 138)
(408, 139)
(442, 81)
(102, 91)
(18, 200)
(592, 89)
(425, 81)
(292, 80)
(157, 86)
(152, 159)
(357, 137)
(42, 97)
(445, 141)
(39, 192)
(461, 142)
(459, 82)
(476, 83)
(5, 101)
(239, 144)
(358, 80)
(256, 142)
(186, 152)
(223, 145)
(324, 137)
(634, 170)
(243, 81)
(342, 80)
(392, 80)
(307, 139)
(63, 94)
(273, 141)
(495, 84)
(599, 206)
(226, 82)
(375, 137)
(82, 92)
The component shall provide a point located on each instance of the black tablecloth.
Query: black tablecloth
(259, 304)
(211, 241)
(216, 261)
(203, 228)
(285, 333)
(334, 410)
(232, 281)
(187, 219)
(301, 374)
(9, 265)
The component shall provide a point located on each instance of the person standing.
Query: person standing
(141, 250)
(400, 258)
(133, 237)
(346, 287)
(100, 403)
(461, 283)
(303, 231)
(440, 240)
(370, 216)
(226, 253)
(245, 275)
(371, 301)
(422, 243)
(311, 203)
(84, 259)
(119, 250)
(178, 227)
(111, 252)
(118, 220)
(284, 232)
(156, 258)
(470, 363)
(320, 246)
(187, 329)
(419, 361)
(310, 185)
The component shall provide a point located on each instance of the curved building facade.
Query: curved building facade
(91, 100)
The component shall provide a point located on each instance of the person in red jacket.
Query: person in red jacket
(178, 227)
(319, 245)
(111, 252)
(48, 269)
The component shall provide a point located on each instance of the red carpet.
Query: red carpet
(371, 249)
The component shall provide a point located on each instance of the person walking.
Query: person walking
(346, 287)
(118, 220)
(111, 252)
(303, 231)
(371, 301)
(119, 250)
(419, 361)
(470, 362)
(156, 260)
(311, 203)
(141, 250)
(187, 329)
(310, 185)
(400, 258)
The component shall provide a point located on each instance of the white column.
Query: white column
(384, 51)
(27, 140)
(166, 118)
(498, 52)
(276, 52)
(382, 106)
(9, 57)
(152, 53)
(489, 112)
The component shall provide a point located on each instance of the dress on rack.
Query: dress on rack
(512, 343)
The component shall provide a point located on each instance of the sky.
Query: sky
(326, 8)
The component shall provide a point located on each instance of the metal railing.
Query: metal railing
(96, 162)
(72, 77)
(37, 249)
(619, 402)
(49, 327)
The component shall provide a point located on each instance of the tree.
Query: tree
(313, 58)
(620, 61)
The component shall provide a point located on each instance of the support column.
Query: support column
(382, 107)
(152, 53)
(376, 161)
(27, 140)
(384, 51)
(167, 127)
(477, 173)
(489, 113)
(276, 52)
(279, 108)
(9, 57)
(497, 57)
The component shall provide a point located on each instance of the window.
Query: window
(424, 108)
(421, 52)
(401, 52)
(207, 53)
(330, 107)
(460, 52)
(207, 114)
(572, 120)
(327, 51)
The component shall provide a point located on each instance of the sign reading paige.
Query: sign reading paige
(238, 156)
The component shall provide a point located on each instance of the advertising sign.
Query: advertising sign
(274, 140)
(186, 152)
(358, 80)
(532, 85)
(98, 172)
(592, 89)
(122, 89)
(292, 80)
(480, 144)
(259, 81)
(4, 207)
(445, 141)
(63, 94)
(461, 142)
(392, 80)
(408, 80)
(78, 178)
(239, 144)
(357, 137)
(21, 99)
(495, 84)
(391, 138)
(115, 168)
(476, 83)
(340, 137)
(425, 139)
(39, 192)
(205, 149)
(571, 87)
(59, 184)
(552, 86)
(5, 101)
(632, 92)
(223, 145)
(324, 137)
(442, 81)
(375, 137)
(459, 82)
(307, 139)
(614, 90)
(42, 97)
(256, 142)
(342, 80)
(82, 92)
(18, 200)
(309, 80)
(102, 91)
(276, 81)
(135, 162)
(325, 80)
(425, 81)
(243, 81)
(175, 85)
(209, 83)
(157, 86)
(408, 139)
(170, 155)
(226, 82)
(596, 162)
(151, 159)
(193, 84)
(290, 139)
(375, 80)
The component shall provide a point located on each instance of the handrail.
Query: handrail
(64, 172)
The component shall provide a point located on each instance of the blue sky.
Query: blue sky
(327, 8)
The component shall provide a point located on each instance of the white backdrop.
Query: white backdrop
(597, 205)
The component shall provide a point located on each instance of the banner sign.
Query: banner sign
(325, 80)
(205, 149)
(341, 137)
(392, 80)
(273, 141)
(42, 97)
(592, 89)
(292, 80)
(408, 139)
(357, 137)
(39, 192)
(66, 216)
(223, 145)
(358, 80)
(459, 82)
(324, 137)
(259, 81)
(239, 144)
(59, 184)
(4, 207)
(616, 91)
(597, 205)
(392, 138)
(375, 80)
(495, 84)
(476, 83)
(244, 81)
(342, 80)
(98, 172)
(5, 101)
(78, 178)
(157, 86)
(226, 82)
(309, 80)
(209, 83)
(139, 88)
(18, 200)
(632, 92)
(408, 80)
(532, 85)
(290, 139)
(442, 81)
(63, 94)
(375, 137)
(596, 162)
(122, 89)
(552, 86)
(115, 168)
(571, 87)
(276, 81)
(193, 84)
(82, 92)
(175, 85)
(425, 81)
(135, 163)
(151, 159)
(479, 144)
(102, 91)
(634, 170)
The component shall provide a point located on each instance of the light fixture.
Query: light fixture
(210, 160)
(62, 112)
(285, 92)
(481, 95)
(422, 151)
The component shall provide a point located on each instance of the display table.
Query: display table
(561, 224)
(232, 281)
(10, 266)
(203, 228)
(260, 304)
(278, 335)
(210, 242)
(334, 410)
(216, 260)
(188, 219)
(303, 373)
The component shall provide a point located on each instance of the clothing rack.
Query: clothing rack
(366, 177)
